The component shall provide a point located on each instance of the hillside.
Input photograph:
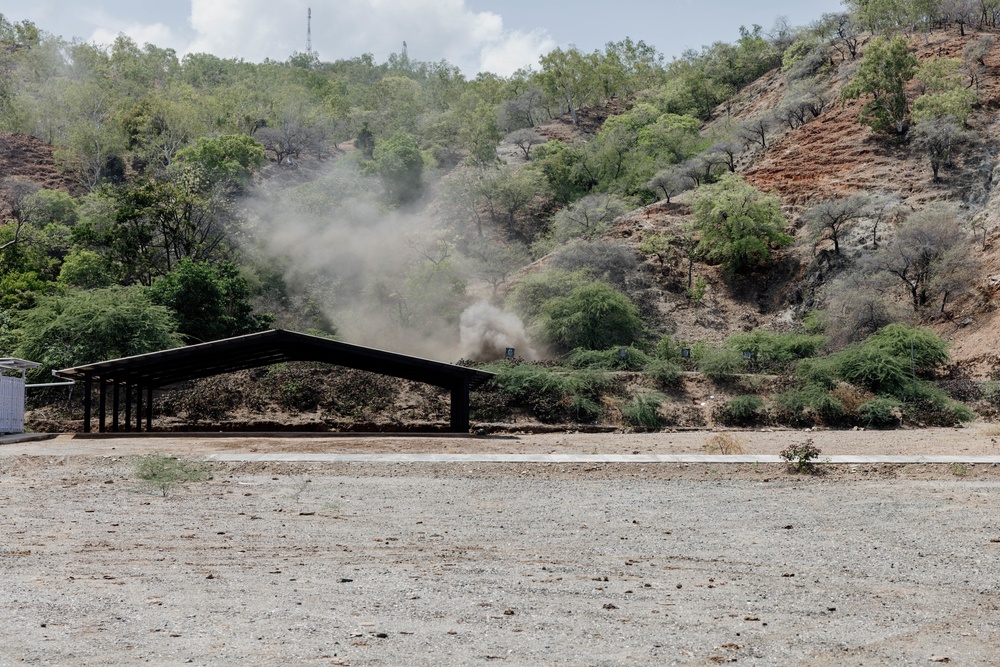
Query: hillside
(405, 207)
(835, 155)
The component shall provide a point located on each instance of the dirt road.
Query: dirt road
(513, 564)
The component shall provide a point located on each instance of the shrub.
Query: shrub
(671, 349)
(930, 352)
(874, 368)
(298, 395)
(991, 393)
(775, 348)
(643, 410)
(880, 413)
(803, 406)
(665, 374)
(583, 409)
(609, 360)
(593, 317)
(930, 405)
(801, 456)
(530, 295)
(724, 443)
(822, 372)
(721, 365)
(739, 224)
(552, 394)
(163, 473)
(743, 411)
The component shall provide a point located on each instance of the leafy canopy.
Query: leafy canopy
(738, 224)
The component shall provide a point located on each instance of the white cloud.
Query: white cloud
(433, 29)
(156, 33)
(515, 50)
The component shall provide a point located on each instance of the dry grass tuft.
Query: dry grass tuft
(724, 443)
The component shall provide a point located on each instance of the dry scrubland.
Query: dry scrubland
(465, 564)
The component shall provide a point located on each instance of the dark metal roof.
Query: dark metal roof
(159, 369)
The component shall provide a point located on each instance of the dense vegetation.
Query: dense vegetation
(206, 197)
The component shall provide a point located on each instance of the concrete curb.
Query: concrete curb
(587, 458)
(15, 438)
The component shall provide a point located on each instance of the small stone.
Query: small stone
(940, 658)
(610, 606)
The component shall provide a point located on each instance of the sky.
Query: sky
(475, 35)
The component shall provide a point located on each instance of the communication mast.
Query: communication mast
(309, 31)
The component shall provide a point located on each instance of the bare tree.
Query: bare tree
(939, 138)
(494, 261)
(930, 254)
(974, 59)
(754, 132)
(525, 139)
(727, 151)
(23, 206)
(960, 12)
(882, 207)
(858, 305)
(670, 181)
(522, 111)
(842, 33)
(833, 216)
(692, 170)
(589, 217)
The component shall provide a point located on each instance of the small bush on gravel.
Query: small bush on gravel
(164, 473)
(801, 456)
(880, 413)
(643, 410)
(724, 443)
(742, 411)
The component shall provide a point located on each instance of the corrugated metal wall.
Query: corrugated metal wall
(11, 404)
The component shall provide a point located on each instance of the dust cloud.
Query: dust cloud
(486, 332)
(385, 278)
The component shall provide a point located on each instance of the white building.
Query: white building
(12, 394)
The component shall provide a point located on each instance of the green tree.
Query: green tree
(593, 317)
(90, 326)
(569, 77)
(399, 164)
(209, 302)
(886, 67)
(738, 224)
(229, 158)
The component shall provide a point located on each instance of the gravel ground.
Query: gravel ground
(541, 564)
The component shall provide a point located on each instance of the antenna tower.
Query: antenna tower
(309, 31)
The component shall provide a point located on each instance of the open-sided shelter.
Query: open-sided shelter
(136, 377)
